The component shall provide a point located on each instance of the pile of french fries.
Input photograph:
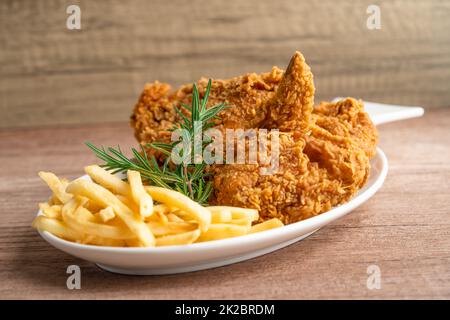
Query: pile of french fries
(108, 211)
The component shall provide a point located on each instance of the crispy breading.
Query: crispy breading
(291, 107)
(154, 114)
(324, 151)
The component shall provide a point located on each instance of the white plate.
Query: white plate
(199, 256)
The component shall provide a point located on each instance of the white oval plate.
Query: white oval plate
(199, 256)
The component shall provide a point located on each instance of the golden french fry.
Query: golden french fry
(128, 202)
(182, 202)
(171, 217)
(133, 243)
(178, 239)
(244, 222)
(220, 214)
(140, 196)
(161, 229)
(129, 217)
(79, 223)
(55, 227)
(160, 214)
(245, 213)
(99, 241)
(266, 225)
(161, 209)
(70, 206)
(86, 215)
(54, 201)
(57, 187)
(92, 206)
(183, 215)
(51, 211)
(222, 231)
(104, 197)
(108, 180)
(236, 212)
(162, 217)
(107, 214)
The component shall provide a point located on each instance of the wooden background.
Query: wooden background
(53, 76)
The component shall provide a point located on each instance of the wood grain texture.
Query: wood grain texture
(404, 228)
(50, 75)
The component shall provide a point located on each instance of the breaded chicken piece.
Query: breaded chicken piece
(324, 152)
(347, 118)
(323, 159)
(316, 172)
(154, 114)
(290, 109)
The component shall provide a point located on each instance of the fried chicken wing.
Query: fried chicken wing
(154, 114)
(291, 107)
(324, 158)
(324, 151)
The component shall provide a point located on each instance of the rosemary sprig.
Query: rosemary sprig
(188, 177)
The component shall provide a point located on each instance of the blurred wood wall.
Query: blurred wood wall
(52, 76)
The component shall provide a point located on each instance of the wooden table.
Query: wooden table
(404, 229)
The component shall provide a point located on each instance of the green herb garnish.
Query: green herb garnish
(188, 177)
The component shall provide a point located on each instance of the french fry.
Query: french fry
(104, 197)
(79, 223)
(70, 206)
(220, 214)
(161, 209)
(266, 225)
(244, 222)
(99, 241)
(92, 206)
(240, 213)
(54, 201)
(236, 212)
(107, 214)
(58, 187)
(86, 215)
(178, 239)
(140, 196)
(160, 229)
(160, 214)
(222, 231)
(183, 215)
(128, 202)
(184, 203)
(108, 180)
(51, 211)
(55, 227)
(171, 217)
(129, 217)
(133, 243)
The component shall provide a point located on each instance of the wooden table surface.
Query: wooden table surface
(404, 229)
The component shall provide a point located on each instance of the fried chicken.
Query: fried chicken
(154, 114)
(324, 151)
(290, 108)
(324, 156)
